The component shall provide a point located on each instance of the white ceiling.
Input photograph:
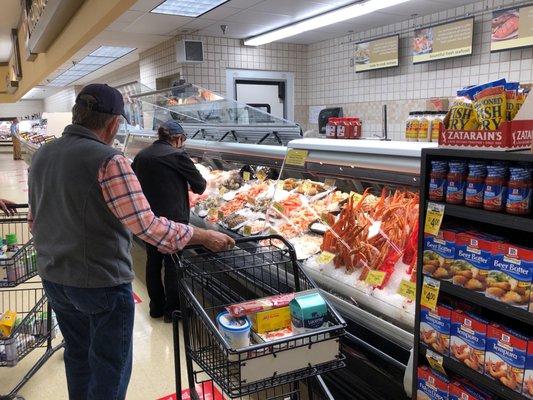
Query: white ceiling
(143, 30)
(9, 18)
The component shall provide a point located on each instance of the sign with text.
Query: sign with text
(376, 54)
(512, 28)
(448, 40)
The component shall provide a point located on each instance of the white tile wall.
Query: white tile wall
(21, 108)
(61, 101)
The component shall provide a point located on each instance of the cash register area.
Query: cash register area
(153, 364)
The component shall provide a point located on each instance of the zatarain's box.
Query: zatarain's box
(527, 389)
(510, 278)
(468, 334)
(435, 328)
(431, 385)
(505, 356)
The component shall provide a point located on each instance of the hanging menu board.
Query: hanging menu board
(376, 54)
(512, 28)
(448, 40)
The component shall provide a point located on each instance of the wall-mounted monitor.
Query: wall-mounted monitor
(452, 39)
(512, 28)
(377, 54)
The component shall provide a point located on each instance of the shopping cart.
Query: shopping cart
(19, 265)
(35, 325)
(256, 268)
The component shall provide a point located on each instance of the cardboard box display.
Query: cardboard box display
(435, 328)
(505, 356)
(431, 385)
(473, 261)
(439, 254)
(510, 278)
(527, 389)
(271, 320)
(468, 334)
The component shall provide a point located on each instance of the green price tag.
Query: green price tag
(247, 230)
(325, 257)
(407, 289)
(296, 157)
(246, 176)
(375, 278)
(278, 207)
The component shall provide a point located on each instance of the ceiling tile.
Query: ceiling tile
(145, 5)
(130, 16)
(157, 24)
(297, 9)
(261, 18)
(242, 3)
(235, 30)
(221, 12)
(198, 23)
(118, 26)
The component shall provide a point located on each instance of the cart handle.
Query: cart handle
(9, 205)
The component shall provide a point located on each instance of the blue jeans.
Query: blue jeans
(97, 325)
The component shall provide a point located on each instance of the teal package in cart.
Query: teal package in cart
(308, 311)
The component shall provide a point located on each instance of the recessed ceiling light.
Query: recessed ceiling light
(97, 59)
(187, 8)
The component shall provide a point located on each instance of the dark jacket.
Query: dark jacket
(165, 174)
(79, 241)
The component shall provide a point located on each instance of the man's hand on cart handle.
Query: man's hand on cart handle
(4, 207)
(212, 240)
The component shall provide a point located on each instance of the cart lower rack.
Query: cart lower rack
(210, 282)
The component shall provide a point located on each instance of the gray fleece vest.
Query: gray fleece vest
(79, 241)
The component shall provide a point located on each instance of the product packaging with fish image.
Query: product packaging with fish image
(505, 356)
(431, 385)
(468, 335)
(527, 389)
(465, 391)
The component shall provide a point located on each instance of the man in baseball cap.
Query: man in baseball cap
(86, 203)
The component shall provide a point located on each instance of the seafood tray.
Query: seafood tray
(208, 282)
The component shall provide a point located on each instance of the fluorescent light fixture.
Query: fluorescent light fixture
(97, 59)
(187, 8)
(321, 20)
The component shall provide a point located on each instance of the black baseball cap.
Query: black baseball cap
(108, 99)
(173, 127)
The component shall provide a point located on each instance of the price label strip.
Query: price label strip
(430, 292)
(296, 157)
(435, 361)
(375, 278)
(407, 289)
(434, 216)
(325, 258)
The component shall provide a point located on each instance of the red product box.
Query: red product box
(431, 385)
(468, 334)
(505, 356)
(511, 135)
(527, 389)
(264, 304)
(464, 391)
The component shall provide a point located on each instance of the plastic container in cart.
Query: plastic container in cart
(259, 267)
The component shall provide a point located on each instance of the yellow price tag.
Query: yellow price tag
(222, 191)
(278, 207)
(281, 183)
(434, 216)
(220, 215)
(324, 217)
(247, 230)
(296, 157)
(246, 176)
(325, 257)
(407, 289)
(212, 213)
(375, 278)
(261, 175)
(430, 292)
(435, 361)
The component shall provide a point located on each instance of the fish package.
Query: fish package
(468, 334)
(527, 389)
(465, 391)
(439, 254)
(510, 279)
(435, 328)
(473, 261)
(431, 385)
(505, 356)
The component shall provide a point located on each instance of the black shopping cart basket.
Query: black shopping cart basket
(258, 267)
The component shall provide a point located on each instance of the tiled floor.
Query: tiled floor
(153, 369)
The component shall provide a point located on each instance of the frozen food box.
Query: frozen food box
(431, 385)
(468, 333)
(510, 278)
(505, 356)
(527, 389)
(439, 253)
(271, 320)
(308, 311)
(464, 391)
(435, 328)
(473, 261)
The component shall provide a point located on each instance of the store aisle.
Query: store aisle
(153, 365)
